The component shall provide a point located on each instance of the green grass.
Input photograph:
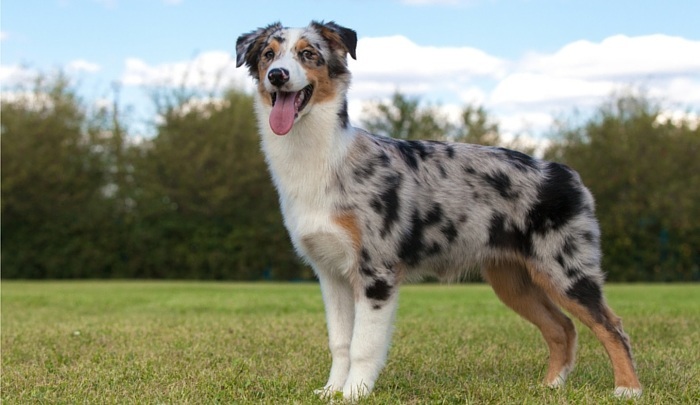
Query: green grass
(167, 342)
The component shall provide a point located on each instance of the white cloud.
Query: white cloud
(685, 90)
(208, 71)
(525, 89)
(678, 117)
(81, 65)
(388, 64)
(583, 73)
(4, 35)
(523, 93)
(621, 58)
(12, 75)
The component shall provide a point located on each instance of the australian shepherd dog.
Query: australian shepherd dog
(369, 212)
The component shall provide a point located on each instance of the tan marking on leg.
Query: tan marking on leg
(514, 287)
(606, 327)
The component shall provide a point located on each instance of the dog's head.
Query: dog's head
(296, 68)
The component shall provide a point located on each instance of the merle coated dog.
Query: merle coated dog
(368, 212)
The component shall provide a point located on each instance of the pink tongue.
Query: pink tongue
(283, 113)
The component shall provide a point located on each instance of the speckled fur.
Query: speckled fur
(368, 212)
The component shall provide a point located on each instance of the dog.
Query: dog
(369, 212)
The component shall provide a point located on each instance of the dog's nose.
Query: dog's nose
(278, 76)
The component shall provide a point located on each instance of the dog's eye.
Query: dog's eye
(269, 54)
(307, 54)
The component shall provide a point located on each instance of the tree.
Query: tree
(645, 176)
(404, 118)
(477, 127)
(208, 208)
(53, 205)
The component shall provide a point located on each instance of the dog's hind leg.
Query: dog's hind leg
(515, 288)
(584, 299)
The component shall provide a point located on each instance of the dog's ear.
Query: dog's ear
(338, 37)
(249, 46)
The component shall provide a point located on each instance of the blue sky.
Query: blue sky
(525, 60)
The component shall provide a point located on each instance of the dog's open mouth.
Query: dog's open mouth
(286, 107)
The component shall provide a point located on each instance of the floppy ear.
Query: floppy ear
(338, 37)
(248, 47)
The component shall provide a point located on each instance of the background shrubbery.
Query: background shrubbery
(82, 199)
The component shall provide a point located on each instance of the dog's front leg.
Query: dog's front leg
(340, 312)
(371, 337)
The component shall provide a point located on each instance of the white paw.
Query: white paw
(627, 392)
(329, 393)
(354, 391)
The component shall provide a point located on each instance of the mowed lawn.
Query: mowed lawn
(190, 342)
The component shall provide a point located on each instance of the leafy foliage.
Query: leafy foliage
(404, 118)
(81, 199)
(645, 175)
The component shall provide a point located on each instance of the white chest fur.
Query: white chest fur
(303, 164)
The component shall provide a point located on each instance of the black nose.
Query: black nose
(278, 76)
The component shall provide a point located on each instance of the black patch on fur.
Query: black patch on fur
(366, 270)
(337, 67)
(450, 231)
(364, 263)
(434, 249)
(519, 160)
(511, 238)
(559, 199)
(412, 247)
(589, 237)
(343, 115)
(364, 172)
(434, 215)
(572, 272)
(387, 203)
(569, 247)
(450, 151)
(379, 290)
(469, 170)
(560, 260)
(384, 159)
(364, 255)
(501, 182)
(407, 154)
(279, 39)
(410, 151)
(588, 293)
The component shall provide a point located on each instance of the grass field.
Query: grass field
(186, 342)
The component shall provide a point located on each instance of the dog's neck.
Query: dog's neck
(302, 162)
